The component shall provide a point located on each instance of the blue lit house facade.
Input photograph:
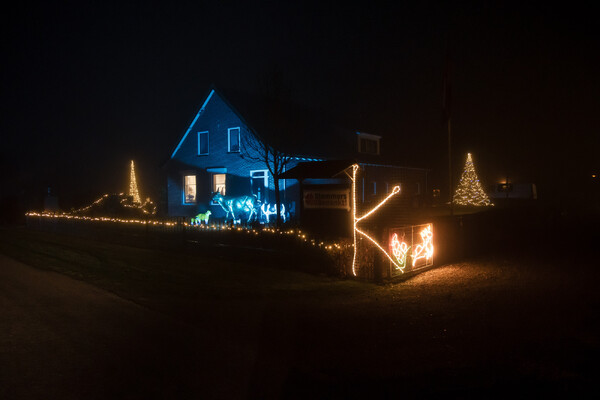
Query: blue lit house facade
(212, 156)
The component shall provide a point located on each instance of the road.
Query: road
(65, 339)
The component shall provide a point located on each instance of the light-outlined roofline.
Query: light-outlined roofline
(238, 114)
(212, 90)
(210, 94)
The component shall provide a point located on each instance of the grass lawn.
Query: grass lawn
(167, 279)
(493, 326)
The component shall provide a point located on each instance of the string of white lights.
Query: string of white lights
(356, 220)
(299, 234)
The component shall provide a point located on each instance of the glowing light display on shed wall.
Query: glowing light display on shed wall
(356, 220)
(401, 251)
(411, 250)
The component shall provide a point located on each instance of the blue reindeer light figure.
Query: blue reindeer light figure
(236, 207)
(271, 209)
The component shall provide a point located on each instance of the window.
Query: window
(367, 143)
(505, 187)
(259, 182)
(189, 189)
(368, 146)
(234, 140)
(219, 183)
(202, 143)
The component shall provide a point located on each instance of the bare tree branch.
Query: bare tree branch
(256, 149)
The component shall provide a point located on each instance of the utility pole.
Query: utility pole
(447, 117)
(450, 167)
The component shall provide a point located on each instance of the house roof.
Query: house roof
(208, 97)
(295, 129)
(291, 128)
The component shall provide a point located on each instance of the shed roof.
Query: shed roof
(332, 168)
(318, 169)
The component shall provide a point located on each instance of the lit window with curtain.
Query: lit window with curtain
(219, 183)
(189, 189)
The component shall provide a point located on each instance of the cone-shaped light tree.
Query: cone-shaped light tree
(133, 189)
(469, 191)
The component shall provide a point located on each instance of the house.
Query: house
(214, 154)
(520, 191)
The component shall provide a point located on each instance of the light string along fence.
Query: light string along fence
(402, 252)
(331, 246)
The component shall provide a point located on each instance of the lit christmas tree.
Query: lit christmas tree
(469, 191)
(133, 189)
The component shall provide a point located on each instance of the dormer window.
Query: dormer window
(367, 143)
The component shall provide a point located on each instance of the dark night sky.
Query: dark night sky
(88, 85)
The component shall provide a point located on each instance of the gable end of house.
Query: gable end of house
(212, 91)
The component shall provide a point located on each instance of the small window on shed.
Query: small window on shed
(367, 143)
(368, 146)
